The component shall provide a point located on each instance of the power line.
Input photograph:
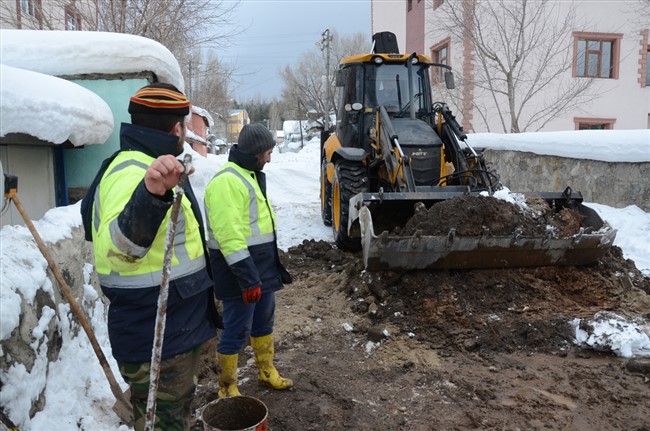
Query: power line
(275, 36)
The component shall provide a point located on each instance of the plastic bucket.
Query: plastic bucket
(235, 414)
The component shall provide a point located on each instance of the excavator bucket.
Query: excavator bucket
(390, 251)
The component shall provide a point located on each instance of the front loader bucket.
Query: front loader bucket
(393, 252)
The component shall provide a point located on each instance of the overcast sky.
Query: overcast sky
(279, 32)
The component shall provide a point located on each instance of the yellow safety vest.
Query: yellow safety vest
(238, 214)
(122, 264)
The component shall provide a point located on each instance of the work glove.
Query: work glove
(253, 295)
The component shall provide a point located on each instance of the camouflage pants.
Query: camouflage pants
(178, 377)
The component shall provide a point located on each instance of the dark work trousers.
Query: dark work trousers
(241, 320)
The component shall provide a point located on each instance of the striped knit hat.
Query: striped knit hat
(160, 98)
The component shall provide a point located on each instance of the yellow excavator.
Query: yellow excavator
(393, 147)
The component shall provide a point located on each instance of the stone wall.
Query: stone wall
(32, 349)
(613, 184)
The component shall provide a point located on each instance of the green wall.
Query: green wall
(81, 164)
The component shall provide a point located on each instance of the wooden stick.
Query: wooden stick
(161, 316)
(123, 405)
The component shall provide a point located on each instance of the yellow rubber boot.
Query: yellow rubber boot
(264, 351)
(227, 375)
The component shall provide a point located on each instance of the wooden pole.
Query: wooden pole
(122, 406)
(161, 316)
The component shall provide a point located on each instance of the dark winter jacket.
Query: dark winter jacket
(241, 230)
(129, 236)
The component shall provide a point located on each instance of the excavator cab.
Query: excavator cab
(394, 147)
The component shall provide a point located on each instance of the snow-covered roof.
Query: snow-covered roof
(604, 145)
(190, 135)
(292, 126)
(51, 109)
(203, 113)
(61, 53)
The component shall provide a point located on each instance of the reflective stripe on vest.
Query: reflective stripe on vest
(149, 279)
(256, 238)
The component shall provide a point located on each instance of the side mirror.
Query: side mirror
(449, 80)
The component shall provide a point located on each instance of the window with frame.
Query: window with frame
(72, 18)
(29, 14)
(440, 54)
(594, 123)
(596, 55)
(28, 7)
(437, 3)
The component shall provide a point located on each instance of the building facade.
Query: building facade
(588, 69)
(47, 14)
(237, 119)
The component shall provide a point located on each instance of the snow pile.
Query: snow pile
(603, 145)
(51, 109)
(506, 195)
(632, 224)
(88, 52)
(609, 332)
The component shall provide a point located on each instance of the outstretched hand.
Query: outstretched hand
(163, 174)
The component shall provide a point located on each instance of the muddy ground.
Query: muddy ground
(447, 350)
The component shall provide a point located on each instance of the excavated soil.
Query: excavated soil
(475, 215)
(448, 350)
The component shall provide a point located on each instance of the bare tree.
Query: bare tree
(523, 55)
(275, 117)
(185, 27)
(639, 12)
(178, 24)
(208, 83)
(305, 86)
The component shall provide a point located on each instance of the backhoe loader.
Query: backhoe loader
(394, 147)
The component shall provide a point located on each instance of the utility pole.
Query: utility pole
(189, 92)
(325, 44)
(302, 139)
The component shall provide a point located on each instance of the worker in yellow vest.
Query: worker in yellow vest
(131, 201)
(244, 257)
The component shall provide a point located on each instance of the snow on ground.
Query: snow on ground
(78, 396)
(292, 185)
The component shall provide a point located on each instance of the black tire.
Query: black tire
(325, 195)
(349, 179)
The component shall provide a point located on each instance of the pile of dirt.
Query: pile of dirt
(478, 215)
(452, 350)
(493, 310)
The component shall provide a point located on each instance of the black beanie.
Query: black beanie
(255, 139)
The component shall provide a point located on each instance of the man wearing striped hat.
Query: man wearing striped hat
(131, 212)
